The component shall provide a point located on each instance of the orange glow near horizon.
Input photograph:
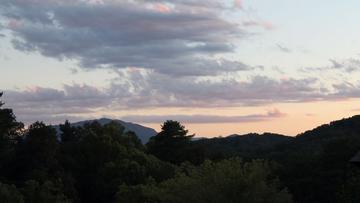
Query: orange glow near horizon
(299, 118)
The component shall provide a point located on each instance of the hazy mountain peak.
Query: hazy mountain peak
(144, 133)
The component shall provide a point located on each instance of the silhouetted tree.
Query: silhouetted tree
(36, 156)
(10, 132)
(9, 127)
(170, 144)
(68, 132)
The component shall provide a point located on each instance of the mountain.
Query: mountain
(310, 142)
(319, 138)
(246, 146)
(143, 133)
(316, 166)
(345, 127)
(318, 156)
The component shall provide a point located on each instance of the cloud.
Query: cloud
(283, 48)
(53, 105)
(180, 37)
(139, 89)
(259, 23)
(166, 54)
(162, 8)
(349, 65)
(74, 71)
(151, 89)
(346, 90)
(238, 4)
(200, 119)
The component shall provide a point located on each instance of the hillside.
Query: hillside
(143, 133)
(318, 156)
(344, 127)
(316, 140)
(246, 146)
(274, 145)
(307, 161)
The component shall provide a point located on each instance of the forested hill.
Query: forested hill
(314, 165)
(317, 139)
(243, 145)
(268, 143)
(142, 132)
(340, 128)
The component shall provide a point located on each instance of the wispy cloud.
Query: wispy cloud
(259, 23)
(348, 65)
(283, 48)
(205, 118)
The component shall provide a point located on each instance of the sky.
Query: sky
(219, 67)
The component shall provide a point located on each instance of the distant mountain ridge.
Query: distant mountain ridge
(319, 137)
(143, 133)
(251, 142)
(244, 145)
(346, 126)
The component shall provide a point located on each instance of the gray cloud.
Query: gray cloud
(283, 48)
(155, 89)
(348, 65)
(173, 37)
(74, 71)
(204, 118)
(53, 105)
(346, 89)
(141, 89)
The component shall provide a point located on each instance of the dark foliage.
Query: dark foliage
(247, 146)
(173, 144)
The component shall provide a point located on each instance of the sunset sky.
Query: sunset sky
(220, 67)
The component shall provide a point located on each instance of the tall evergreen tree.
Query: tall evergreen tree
(170, 144)
(10, 130)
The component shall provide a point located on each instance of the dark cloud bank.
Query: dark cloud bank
(171, 37)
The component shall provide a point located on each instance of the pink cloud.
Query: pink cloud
(33, 89)
(268, 25)
(162, 8)
(14, 24)
(275, 113)
(134, 70)
(238, 4)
